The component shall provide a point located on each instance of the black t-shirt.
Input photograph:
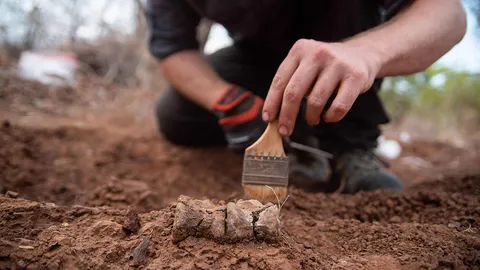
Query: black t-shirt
(269, 25)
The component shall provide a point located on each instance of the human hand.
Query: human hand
(318, 70)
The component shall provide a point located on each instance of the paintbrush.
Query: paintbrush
(265, 167)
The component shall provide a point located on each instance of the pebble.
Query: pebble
(395, 219)
(131, 223)
(12, 194)
(454, 225)
(333, 228)
(307, 246)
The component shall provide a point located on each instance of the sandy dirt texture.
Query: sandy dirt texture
(85, 188)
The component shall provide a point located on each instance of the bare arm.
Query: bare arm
(416, 38)
(193, 77)
(409, 43)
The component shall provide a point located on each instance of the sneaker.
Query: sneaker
(360, 170)
(309, 167)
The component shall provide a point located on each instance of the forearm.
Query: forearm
(415, 38)
(193, 77)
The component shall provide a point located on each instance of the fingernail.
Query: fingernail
(283, 130)
(265, 116)
(318, 121)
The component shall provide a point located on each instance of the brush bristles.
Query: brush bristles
(265, 193)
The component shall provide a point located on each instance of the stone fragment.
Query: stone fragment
(12, 194)
(131, 223)
(395, 219)
(267, 225)
(140, 252)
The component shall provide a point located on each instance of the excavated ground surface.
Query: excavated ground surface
(76, 176)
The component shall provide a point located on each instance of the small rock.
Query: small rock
(454, 225)
(12, 194)
(310, 223)
(140, 252)
(395, 219)
(307, 246)
(333, 228)
(131, 223)
(404, 258)
(50, 205)
(61, 240)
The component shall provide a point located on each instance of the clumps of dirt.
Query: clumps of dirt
(433, 151)
(242, 221)
(23, 95)
(131, 224)
(17, 91)
(91, 238)
(69, 165)
(122, 192)
(19, 151)
(422, 204)
(79, 184)
(43, 235)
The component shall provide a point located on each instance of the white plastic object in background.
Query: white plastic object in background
(390, 149)
(49, 68)
(218, 38)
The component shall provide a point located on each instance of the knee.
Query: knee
(184, 123)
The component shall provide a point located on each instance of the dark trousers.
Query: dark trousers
(253, 67)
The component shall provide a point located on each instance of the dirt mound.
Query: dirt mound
(70, 166)
(78, 186)
(43, 235)
(460, 202)
(433, 225)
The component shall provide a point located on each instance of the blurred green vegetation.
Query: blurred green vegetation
(446, 98)
(439, 94)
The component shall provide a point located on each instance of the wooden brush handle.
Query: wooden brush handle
(269, 144)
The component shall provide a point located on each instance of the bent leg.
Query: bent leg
(184, 122)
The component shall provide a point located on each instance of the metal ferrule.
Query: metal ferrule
(265, 170)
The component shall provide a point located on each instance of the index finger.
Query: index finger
(274, 97)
